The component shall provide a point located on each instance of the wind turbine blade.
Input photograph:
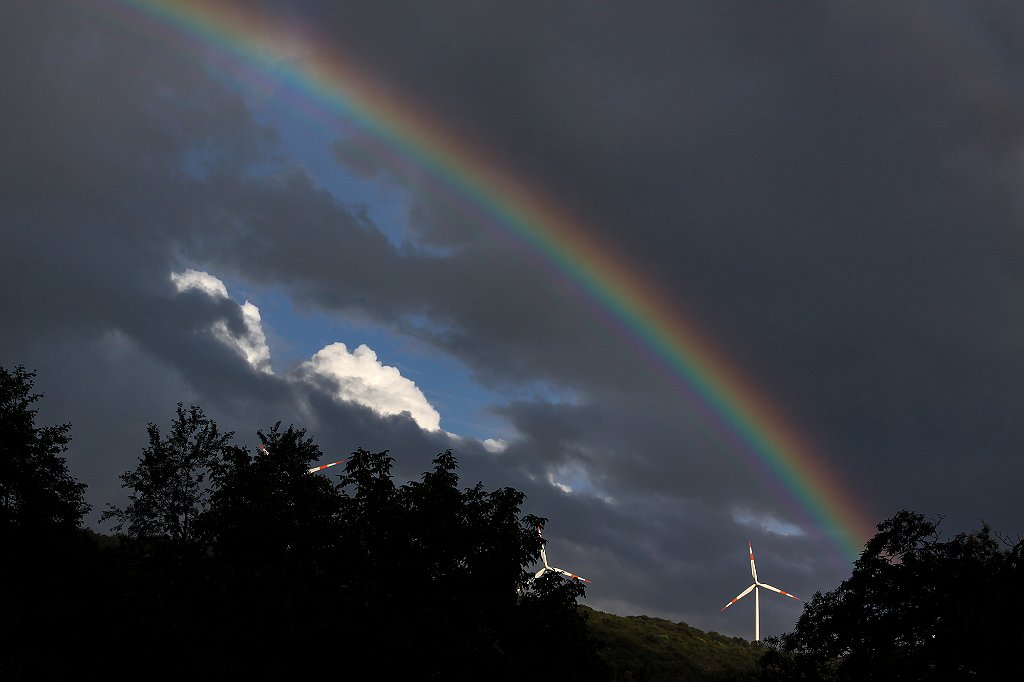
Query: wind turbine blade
(782, 592)
(753, 571)
(540, 572)
(739, 596)
(325, 466)
(570, 575)
(262, 449)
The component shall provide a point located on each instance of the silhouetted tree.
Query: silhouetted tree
(375, 531)
(236, 563)
(158, 572)
(170, 487)
(267, 512)
(467, 551)
(37, 492)
(272, 531)
(437, 575)
(916, 607)
(46, 569)
(553, 640)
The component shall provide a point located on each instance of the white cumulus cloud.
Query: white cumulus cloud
(361, 378)
(357, 376)
(252, 344)
(196, 279)
(495, 445)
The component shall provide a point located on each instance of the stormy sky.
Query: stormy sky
(827, 193)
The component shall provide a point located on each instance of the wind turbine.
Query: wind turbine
(265, 451)
(549, 567)
(756, 587)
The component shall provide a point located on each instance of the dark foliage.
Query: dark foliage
(234, 563)
(37, 492)
(916, 607)
(237, 563)
(273, 534)
(169, 487)
(46, 565)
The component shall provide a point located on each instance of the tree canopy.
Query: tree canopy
(426, 580)
(234, 562)
(170, 487)
(916, 607)
(45, 568)
(37, 491)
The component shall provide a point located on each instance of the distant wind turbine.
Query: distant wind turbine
(549, 567)
(756, 587)
(265, 451)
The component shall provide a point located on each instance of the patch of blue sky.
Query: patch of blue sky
(307, 135)
(308, 138)
(295, 334)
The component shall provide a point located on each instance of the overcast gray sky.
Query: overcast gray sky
(826, 194)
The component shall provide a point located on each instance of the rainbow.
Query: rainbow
(698, 372)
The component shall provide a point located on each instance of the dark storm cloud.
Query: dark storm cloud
(829, 188)
(830, 191)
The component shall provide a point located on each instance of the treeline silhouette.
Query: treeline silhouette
(229, 562)
(916, 607)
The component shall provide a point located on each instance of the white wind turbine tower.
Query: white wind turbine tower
(548, 567)
(756, 587)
